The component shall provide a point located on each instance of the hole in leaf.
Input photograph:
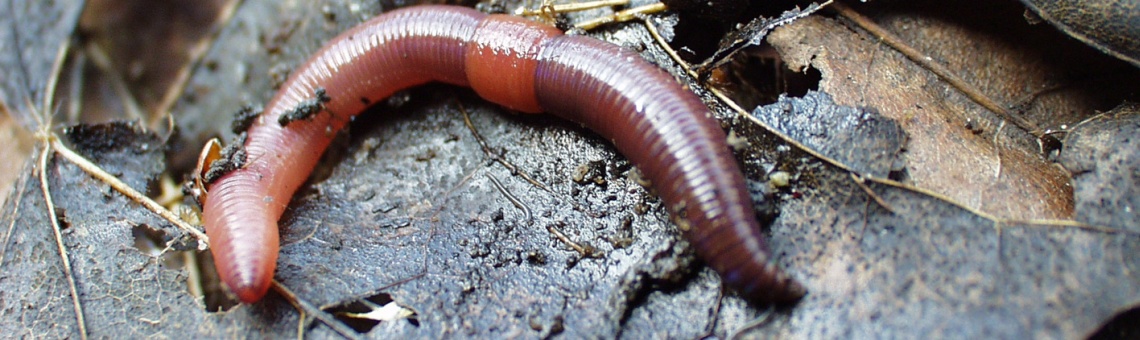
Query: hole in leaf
(202, 279)
(365, 314)
(758, 76)
(1125, 325)
(61, 216)
(209, 285)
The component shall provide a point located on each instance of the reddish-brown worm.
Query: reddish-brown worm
(654, 121)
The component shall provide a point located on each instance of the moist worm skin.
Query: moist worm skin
(661, 127)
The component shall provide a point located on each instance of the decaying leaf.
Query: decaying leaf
(956, 147)
(1102, 155)
(144, 51)
(864, 141)
(907, 213)
(1108, 25)
(34, 34)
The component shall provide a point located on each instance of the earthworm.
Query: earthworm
(661, 127)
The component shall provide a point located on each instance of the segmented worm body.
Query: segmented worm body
(661, 127)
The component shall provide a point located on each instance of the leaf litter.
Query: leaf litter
(880, 257)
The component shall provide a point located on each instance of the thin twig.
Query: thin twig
(862, 183)
(1032, 222)
(621, 16)
(586, 251)
(710, 329)
(305, 307)
(126, 190)
(491, 153)
(67, 272)
(45, 121)
(571, 7)
(301, 325)
(514, 200)
(763, 319)
(74, 100)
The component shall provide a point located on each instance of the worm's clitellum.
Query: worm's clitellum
(660, 126)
